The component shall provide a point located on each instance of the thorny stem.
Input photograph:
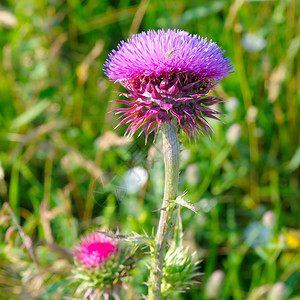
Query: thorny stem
(171, 158)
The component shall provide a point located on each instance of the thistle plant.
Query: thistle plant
(101, 265)
(167, 75)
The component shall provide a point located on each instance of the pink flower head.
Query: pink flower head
(95, 249)
(168, 75)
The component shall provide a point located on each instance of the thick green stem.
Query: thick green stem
(171, 158)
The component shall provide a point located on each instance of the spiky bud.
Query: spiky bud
(179, 271)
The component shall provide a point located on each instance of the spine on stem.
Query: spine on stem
(171, 160)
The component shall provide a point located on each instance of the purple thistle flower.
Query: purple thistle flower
(95, 249)
(102, 264)
(168, 74)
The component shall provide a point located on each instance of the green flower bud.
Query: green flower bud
(179, 271)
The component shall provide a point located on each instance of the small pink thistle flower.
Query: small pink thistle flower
(168, 74)
(95, 249)
(102, 264)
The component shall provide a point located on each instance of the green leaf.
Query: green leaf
(182, 202)
(30, 115)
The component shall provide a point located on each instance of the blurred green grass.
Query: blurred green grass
(60, 171)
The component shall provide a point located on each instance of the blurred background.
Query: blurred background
(64, 170)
